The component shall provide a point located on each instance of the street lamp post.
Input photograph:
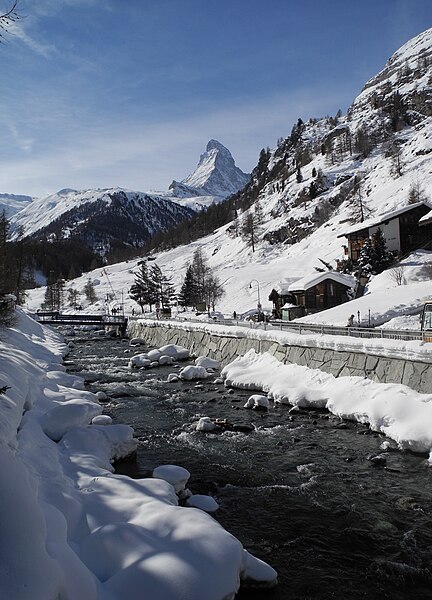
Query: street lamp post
(258, 295)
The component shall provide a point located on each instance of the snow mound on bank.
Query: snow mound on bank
(392, 409)
(95, 535)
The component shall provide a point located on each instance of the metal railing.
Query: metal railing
(362, 332)
(305, 328)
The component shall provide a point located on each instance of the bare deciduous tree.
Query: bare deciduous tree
(8, 18)
(397, 274)
(416, 193)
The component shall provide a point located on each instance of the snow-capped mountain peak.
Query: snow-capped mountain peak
(216, 175)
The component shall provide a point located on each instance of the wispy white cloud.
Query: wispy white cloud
(18, 31)
(26, 29)
(25, 143)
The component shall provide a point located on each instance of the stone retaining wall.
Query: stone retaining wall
(415, 374)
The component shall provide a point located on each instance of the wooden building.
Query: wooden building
(406, 229)
(311, 294)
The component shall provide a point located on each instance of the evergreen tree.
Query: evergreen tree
(89, 291)
(7, 274)
(7, 270)
(365, 259)
(188, 292)
(374, 257)
(162, 287)
(381, 257)
(200, 285)
(142, 290)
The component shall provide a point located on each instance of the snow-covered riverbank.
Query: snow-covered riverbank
(71, 528)
(395, 410)
(405, 350)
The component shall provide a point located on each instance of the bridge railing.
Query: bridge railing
(55, 317)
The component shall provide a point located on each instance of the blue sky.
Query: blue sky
(101, 93)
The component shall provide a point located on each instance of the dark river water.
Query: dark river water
(299, 491)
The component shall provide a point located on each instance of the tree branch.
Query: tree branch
(8, 18)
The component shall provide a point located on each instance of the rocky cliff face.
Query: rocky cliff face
(401, 94)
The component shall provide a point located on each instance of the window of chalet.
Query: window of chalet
(310, 298)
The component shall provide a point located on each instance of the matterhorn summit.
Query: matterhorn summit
(215, 175)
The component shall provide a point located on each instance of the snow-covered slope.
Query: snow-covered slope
(215, 175)
(310, 187)
(100, 218)
(13, 203)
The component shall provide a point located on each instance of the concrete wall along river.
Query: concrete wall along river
(224, 347)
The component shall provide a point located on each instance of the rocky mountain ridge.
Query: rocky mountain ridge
(105, 219)
(360, 164)
(215, 175)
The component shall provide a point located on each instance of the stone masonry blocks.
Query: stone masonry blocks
(416, 375)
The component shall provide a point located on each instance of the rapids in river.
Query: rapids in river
(299, 491)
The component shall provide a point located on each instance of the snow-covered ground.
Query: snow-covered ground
(391, 305)
(72, 529)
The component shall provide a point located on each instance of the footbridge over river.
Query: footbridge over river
(102, 320)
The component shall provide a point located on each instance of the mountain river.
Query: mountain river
(299, 491)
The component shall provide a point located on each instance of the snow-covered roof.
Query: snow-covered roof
(427, 218)
(310, 280)
(288, 305)
(383, 218)
(283, 286)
